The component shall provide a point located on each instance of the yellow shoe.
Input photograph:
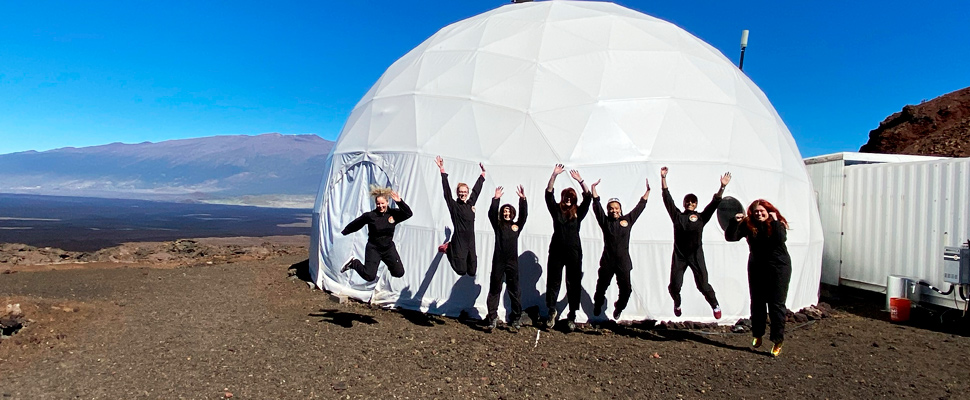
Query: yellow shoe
(756, 342)
(776, 349)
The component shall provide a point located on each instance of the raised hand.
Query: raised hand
(593, 186)
(558, 169)
(773, 215)
(440, 162)
(482, 166)
(739, 217)
(663, 172)
(648, 184)
(521, 192)
(575, 174)
(395, 196)
(498, 192)
(725, 179)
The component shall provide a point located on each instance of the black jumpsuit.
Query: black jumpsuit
(616, 253)
(565, 250)
(380, 241)
(461, 251)
(688, 229)
(505, 260)
(769, 272)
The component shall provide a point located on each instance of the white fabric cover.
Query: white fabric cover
(600, 88)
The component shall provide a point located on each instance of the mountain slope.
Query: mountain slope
(188, 169)
(939, 127)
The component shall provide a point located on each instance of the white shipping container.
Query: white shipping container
(888, 215)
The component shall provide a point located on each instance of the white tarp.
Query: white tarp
(600, 88)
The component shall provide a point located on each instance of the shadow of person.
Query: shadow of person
(701, 338)
(341, 318)
(529, 273)
(461, 300)
(301, 270)
(413, 300)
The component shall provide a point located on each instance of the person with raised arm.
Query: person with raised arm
(505, 258)
(688, 252)
(769, 268)
(380, 223)
(461, 249)
(616, 259)
(565, 249)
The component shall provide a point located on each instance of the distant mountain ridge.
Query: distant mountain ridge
(208, 168)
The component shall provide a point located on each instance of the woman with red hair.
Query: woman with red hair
(565, 250)
(769, 268)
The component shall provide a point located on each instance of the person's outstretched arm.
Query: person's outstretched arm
(669, 204)
(712, 206)
(477, 189)
(523, 207)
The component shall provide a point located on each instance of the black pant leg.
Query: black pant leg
(574, 281)
(677, 268)
(553, 279)
(776, 303)
(699, 269)
(494, 290)
(372, 260)
(393, 262)
(513, 289)
(471, 260)
(623, 283)
(759, 312)
(456, 256)
(604, 276)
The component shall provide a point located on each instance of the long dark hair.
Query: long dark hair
(770, 208)
(570, 211)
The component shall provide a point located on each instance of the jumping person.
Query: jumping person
(461, 250)
(616, 249)
(769, 268)
(688, 229)
(380, 224)
(565, 250)
(505, 258)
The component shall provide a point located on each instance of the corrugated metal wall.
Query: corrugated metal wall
(827, 179)
(897, 219)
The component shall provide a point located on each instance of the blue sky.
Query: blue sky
(88, 73)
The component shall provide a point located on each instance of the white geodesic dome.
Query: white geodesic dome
(598, 87)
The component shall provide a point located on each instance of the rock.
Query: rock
(336, 298)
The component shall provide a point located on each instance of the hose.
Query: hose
(947, 292)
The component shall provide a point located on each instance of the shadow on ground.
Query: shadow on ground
(341, 318)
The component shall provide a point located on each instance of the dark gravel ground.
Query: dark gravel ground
(244, 328)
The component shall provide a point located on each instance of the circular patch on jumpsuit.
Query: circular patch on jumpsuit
(515, 228)
(693, 218)
(623, 223)
(390, 220)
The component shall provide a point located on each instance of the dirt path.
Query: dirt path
(244, 328)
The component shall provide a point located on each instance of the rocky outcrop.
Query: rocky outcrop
(939, 127)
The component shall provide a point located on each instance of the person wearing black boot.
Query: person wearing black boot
(769, 268)
(616, 249)
(505, 258)
(565, 249)
(380, 224)
(461, 249)
(688, 253)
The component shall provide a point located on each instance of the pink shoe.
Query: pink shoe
(443, 248)
(717, 312)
